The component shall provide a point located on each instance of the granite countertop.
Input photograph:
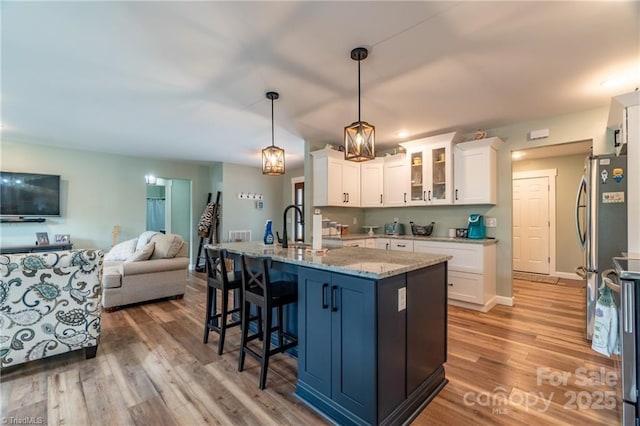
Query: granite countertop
(364, 262)
(627, 268)
(483, 241)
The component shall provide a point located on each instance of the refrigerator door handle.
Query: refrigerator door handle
(582, 189)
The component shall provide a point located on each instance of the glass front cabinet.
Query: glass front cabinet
(431, 176)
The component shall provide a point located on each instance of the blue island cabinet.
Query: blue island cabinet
(365, 356)
(336, 345)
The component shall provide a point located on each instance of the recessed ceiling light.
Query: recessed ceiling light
(612, 82)
(402, 134)
(516, 155)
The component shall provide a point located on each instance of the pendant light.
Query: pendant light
(359, 137)
(272, 156)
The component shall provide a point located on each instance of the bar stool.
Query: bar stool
(259, 290)
(219, 279)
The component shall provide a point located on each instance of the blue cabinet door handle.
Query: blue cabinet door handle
(334, 298)
(325, 305)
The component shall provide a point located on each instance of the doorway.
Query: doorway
(297, 185)
(169, 207)
(563, 165)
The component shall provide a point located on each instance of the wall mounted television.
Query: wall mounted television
(29, 194)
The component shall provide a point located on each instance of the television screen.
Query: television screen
(29, 194)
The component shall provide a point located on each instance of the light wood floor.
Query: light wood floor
(152, 369)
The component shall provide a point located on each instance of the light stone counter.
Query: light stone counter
(363, 262)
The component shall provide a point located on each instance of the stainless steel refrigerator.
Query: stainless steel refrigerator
(601, 222)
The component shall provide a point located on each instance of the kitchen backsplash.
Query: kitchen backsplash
(445, 217)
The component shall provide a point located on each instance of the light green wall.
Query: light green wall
(569, 171)
(98, 191)
(181, 222)
(239, 215)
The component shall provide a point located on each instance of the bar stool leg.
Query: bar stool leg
(245, 332)
(207, 314)
(266, 346)
(223, 320)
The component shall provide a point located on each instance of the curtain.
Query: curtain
(155, 214)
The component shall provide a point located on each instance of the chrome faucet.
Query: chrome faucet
(284, 238)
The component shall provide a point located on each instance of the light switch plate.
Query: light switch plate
(490, 222)
(402, 299)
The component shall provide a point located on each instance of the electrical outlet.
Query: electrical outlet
(395, 219)
(355, 220)
(490, 222)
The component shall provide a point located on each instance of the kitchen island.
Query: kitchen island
(371, 326)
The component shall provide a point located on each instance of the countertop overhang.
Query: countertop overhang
(627, 267)
(363, 262)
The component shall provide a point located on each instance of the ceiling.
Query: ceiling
(187, 80)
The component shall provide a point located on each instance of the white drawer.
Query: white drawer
(465, 287)
(381, 243)
(401, 245)
(370, 243)
(466, 257)
(353, 243)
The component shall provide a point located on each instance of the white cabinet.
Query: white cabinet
(381, 243)
(475, 171)
(336, 182)
(370, 242)
(372, 183)
(471, 272)
(396, 180)
(431, 172)
(400, 245)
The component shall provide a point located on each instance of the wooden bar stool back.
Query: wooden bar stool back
(259, 290)
(219, 278)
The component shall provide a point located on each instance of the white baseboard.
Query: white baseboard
(474, 306)
(507, 301)
(566, 275)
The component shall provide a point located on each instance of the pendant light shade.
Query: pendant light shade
(272, 156)
(359, 137)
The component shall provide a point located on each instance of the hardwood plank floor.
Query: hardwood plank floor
(504, 368)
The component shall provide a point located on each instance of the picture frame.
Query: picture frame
(62, 238)
(42, 238)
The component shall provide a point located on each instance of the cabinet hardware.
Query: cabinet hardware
(456, 194)
(401, 245)
(325, 286)
(347, 197)
(405, 197)
(344, 197)
(380, 198)
(334, 298)
(450, 284)
(429, 195)
(424, 195)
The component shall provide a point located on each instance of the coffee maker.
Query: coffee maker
(476, 229)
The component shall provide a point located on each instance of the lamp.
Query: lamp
(359, 137)
(272, 156)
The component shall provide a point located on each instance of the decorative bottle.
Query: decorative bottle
(268, 234)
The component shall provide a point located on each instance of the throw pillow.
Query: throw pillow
(121, 251)
(144, 238)
(143, 254)
(167, 246)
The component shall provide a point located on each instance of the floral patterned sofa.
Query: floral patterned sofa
(49, 304)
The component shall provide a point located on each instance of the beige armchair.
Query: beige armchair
(157, 269)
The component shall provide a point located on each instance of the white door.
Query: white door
(531, 225)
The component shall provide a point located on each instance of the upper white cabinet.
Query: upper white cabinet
(396, 181)
(430, 169)
(336, 182)
(475, 171)
(372, 183)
